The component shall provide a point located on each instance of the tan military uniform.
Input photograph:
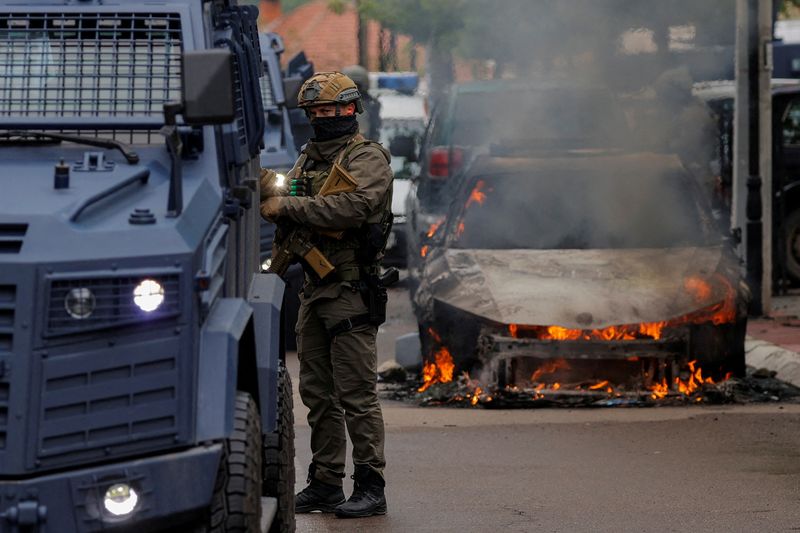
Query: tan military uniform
(338, 375)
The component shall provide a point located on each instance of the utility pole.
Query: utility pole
(752, 183)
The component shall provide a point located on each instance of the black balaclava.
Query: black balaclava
(327, 128)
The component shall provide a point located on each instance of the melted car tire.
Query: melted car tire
(279, 472)
(236, 504)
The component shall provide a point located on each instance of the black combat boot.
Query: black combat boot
(368, 498)
(318, 495)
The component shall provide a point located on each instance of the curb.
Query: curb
(763, 354)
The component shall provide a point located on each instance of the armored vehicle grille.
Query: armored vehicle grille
(11, 237)
(110, 303)
(8, 296)
(238, 101)
(89, 64)
(94, 400)
(266, 91)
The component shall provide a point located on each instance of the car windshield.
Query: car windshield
(565, 117)
(597, 208)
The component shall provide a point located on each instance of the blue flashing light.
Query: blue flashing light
(402, 82)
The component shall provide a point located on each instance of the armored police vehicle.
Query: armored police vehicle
(142, 385)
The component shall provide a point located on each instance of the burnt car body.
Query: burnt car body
(537, 114)
(609, 260)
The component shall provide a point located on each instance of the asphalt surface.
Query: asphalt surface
(733, 468)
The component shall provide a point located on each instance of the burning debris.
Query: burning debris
(438, 371)
(561, 382)
(757, 386)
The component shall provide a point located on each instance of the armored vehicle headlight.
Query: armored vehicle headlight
(148, 295)
(79, 303)
(120, 499)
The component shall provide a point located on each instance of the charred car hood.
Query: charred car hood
(576, 289)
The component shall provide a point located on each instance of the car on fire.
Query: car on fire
(608, 263)
(539, 114)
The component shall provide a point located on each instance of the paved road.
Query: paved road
(659, 469)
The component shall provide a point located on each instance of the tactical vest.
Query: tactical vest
(345, 253)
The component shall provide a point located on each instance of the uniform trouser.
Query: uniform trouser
(338, 384)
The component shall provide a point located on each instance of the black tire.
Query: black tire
(279, 472)
(791, 246)
(236, 505)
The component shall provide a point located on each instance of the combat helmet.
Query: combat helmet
(329, 88)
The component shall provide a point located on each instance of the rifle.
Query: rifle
(298, 243)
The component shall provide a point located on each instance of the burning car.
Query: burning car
(602, 267)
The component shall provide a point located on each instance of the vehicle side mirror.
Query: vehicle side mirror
(208, 87)
(404, 146)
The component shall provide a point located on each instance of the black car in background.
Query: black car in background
(719, 96)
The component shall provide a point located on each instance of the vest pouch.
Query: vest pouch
(373, 238)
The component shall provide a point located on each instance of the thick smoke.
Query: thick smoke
(600, 77)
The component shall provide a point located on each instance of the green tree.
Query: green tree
(436, 24)
(289, 5)
(788, 6)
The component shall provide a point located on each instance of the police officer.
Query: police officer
(336, 337)
(370, 120)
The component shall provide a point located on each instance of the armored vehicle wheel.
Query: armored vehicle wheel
(236, 506)
(279, 458)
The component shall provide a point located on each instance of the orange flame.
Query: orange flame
(439, 371)
(727, 309)
(434, 227)
(562, 334)
(460, 229)
(598, 386)
(611, 333)
(659, 390)
(476, 396)
(695, 381)
(549, 367)
(685, 387)
(698, 288)
(424, 251)
(433, 333)
(722, 312)
(477, 196)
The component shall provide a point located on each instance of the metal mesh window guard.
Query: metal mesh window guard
(89, 64)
